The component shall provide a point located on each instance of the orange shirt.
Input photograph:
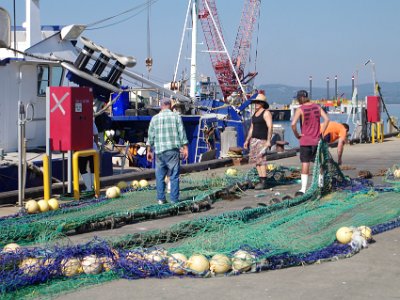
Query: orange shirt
(336, 131)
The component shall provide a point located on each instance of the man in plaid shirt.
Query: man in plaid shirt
(167, 137)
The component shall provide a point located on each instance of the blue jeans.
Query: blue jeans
(168, 161)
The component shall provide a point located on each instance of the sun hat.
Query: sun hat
(260, 98)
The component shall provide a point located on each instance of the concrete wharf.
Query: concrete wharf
(373, 273)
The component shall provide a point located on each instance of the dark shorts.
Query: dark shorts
(327, 138)
(82, 164)
(307, 153)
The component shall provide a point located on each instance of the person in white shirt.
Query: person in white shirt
(88, 177)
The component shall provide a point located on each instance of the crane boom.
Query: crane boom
(219, 58)
(241, 49)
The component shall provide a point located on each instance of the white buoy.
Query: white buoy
(198, 263)
(12, 247)
(71, 267)
(91, 264)
(242, 261)
(177, 263)
(43, 205)
(220, 263)
(53, 204)
(32, 207)
(343, 235)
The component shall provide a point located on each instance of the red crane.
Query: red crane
(219, 58)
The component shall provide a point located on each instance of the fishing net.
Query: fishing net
(393, 175)
(133, 206)
(102, 213)
(286, 233)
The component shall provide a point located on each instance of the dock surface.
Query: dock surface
(371, 274)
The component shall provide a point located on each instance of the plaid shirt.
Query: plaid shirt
(166, 132)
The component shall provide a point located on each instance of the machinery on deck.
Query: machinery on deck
(41, 57)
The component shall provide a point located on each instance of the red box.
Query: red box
(373, 109)
(71, 118)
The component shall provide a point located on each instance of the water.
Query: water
(394, 110)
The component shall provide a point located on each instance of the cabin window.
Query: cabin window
(56, 76)
(43, 72)
(48, 76)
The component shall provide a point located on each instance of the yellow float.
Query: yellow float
(344, 234)
(198, 263)
(32, 207)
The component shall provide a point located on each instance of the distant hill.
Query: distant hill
(284, 94)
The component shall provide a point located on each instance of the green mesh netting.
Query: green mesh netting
(291, 232)
(130, 207)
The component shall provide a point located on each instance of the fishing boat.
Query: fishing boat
(35, 57)
(280, 113)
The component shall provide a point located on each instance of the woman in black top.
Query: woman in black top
(259, 138)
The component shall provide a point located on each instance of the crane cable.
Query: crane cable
(149, 59)
(140, 8)
(258, 31)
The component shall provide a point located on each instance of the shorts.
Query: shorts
(307, 153)
(256, 146)
(327, 138)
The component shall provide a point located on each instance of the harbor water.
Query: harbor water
(393, 109)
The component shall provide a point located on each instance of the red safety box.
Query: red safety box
(373, 109)
(71, 118)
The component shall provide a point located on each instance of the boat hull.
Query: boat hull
(280, 114)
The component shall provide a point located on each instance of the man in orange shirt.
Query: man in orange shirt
(337, 132)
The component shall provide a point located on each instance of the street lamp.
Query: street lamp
(336, 88)
(327, 88)
(369, 61)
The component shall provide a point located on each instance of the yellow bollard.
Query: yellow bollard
(75, 170)
(46, 178)
(373, 133)
(378, 131)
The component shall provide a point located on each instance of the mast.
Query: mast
(33, 27)
(193, 59)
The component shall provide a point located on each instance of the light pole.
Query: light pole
(310, 79)
(336, 88)
(369, 61)
(327, 88)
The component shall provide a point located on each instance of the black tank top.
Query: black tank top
(260, 129)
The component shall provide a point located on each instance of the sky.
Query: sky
(296, 39)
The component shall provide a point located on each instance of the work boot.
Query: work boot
(262, 185)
